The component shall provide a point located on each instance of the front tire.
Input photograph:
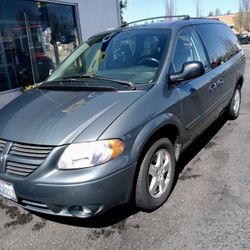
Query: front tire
(234, 107)
(156, 175)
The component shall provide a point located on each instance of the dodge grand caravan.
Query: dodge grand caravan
(110, 122)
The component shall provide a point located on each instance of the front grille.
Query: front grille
(30, 151)
(2, 145)
(20, 168)
(24, 159)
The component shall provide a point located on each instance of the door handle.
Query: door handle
(212, 87)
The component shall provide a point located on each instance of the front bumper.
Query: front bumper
(78, 199)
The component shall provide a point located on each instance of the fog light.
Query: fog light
(86, 210)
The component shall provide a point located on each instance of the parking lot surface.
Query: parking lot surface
(209, 207)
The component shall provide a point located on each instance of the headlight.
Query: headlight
(89, 154)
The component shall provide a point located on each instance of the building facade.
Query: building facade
(231, 20)
(228, 19)
(36, 36)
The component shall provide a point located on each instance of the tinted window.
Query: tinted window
(188, 48)
(220, 41)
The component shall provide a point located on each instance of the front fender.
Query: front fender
(152, 127)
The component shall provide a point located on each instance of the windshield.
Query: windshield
(132, 55)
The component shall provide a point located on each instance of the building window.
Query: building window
(34, 38)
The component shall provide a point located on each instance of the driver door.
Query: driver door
(194, 93)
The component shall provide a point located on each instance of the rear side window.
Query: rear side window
(220, 41)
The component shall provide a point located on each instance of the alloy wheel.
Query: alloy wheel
(159, 173)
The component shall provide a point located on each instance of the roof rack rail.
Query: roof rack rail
(185, 17)
(208, 18)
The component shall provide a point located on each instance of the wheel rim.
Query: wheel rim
(159, 173)
(236, 106)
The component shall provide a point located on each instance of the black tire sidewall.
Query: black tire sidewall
(143, 199)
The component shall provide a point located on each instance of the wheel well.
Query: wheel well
(169, 131)
(240, 82)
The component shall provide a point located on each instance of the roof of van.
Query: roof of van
(174, 24)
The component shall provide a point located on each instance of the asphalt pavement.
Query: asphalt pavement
(209, 207)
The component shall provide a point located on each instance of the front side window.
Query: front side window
(188, 48)
(131, 55)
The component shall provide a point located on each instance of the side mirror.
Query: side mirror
(189, 71)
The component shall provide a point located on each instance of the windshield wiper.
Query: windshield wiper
(75, 77)
(69, 85)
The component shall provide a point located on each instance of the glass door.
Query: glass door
(34, 38)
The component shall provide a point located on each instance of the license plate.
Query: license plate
(7, 190)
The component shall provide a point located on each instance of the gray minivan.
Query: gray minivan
(110, 122)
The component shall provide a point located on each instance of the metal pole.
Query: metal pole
(31, 51)
(4, 59)
(131, 11)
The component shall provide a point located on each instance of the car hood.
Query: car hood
(60, 117)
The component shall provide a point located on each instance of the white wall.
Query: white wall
(95, 15)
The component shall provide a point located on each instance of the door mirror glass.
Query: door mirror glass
(189, 71)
